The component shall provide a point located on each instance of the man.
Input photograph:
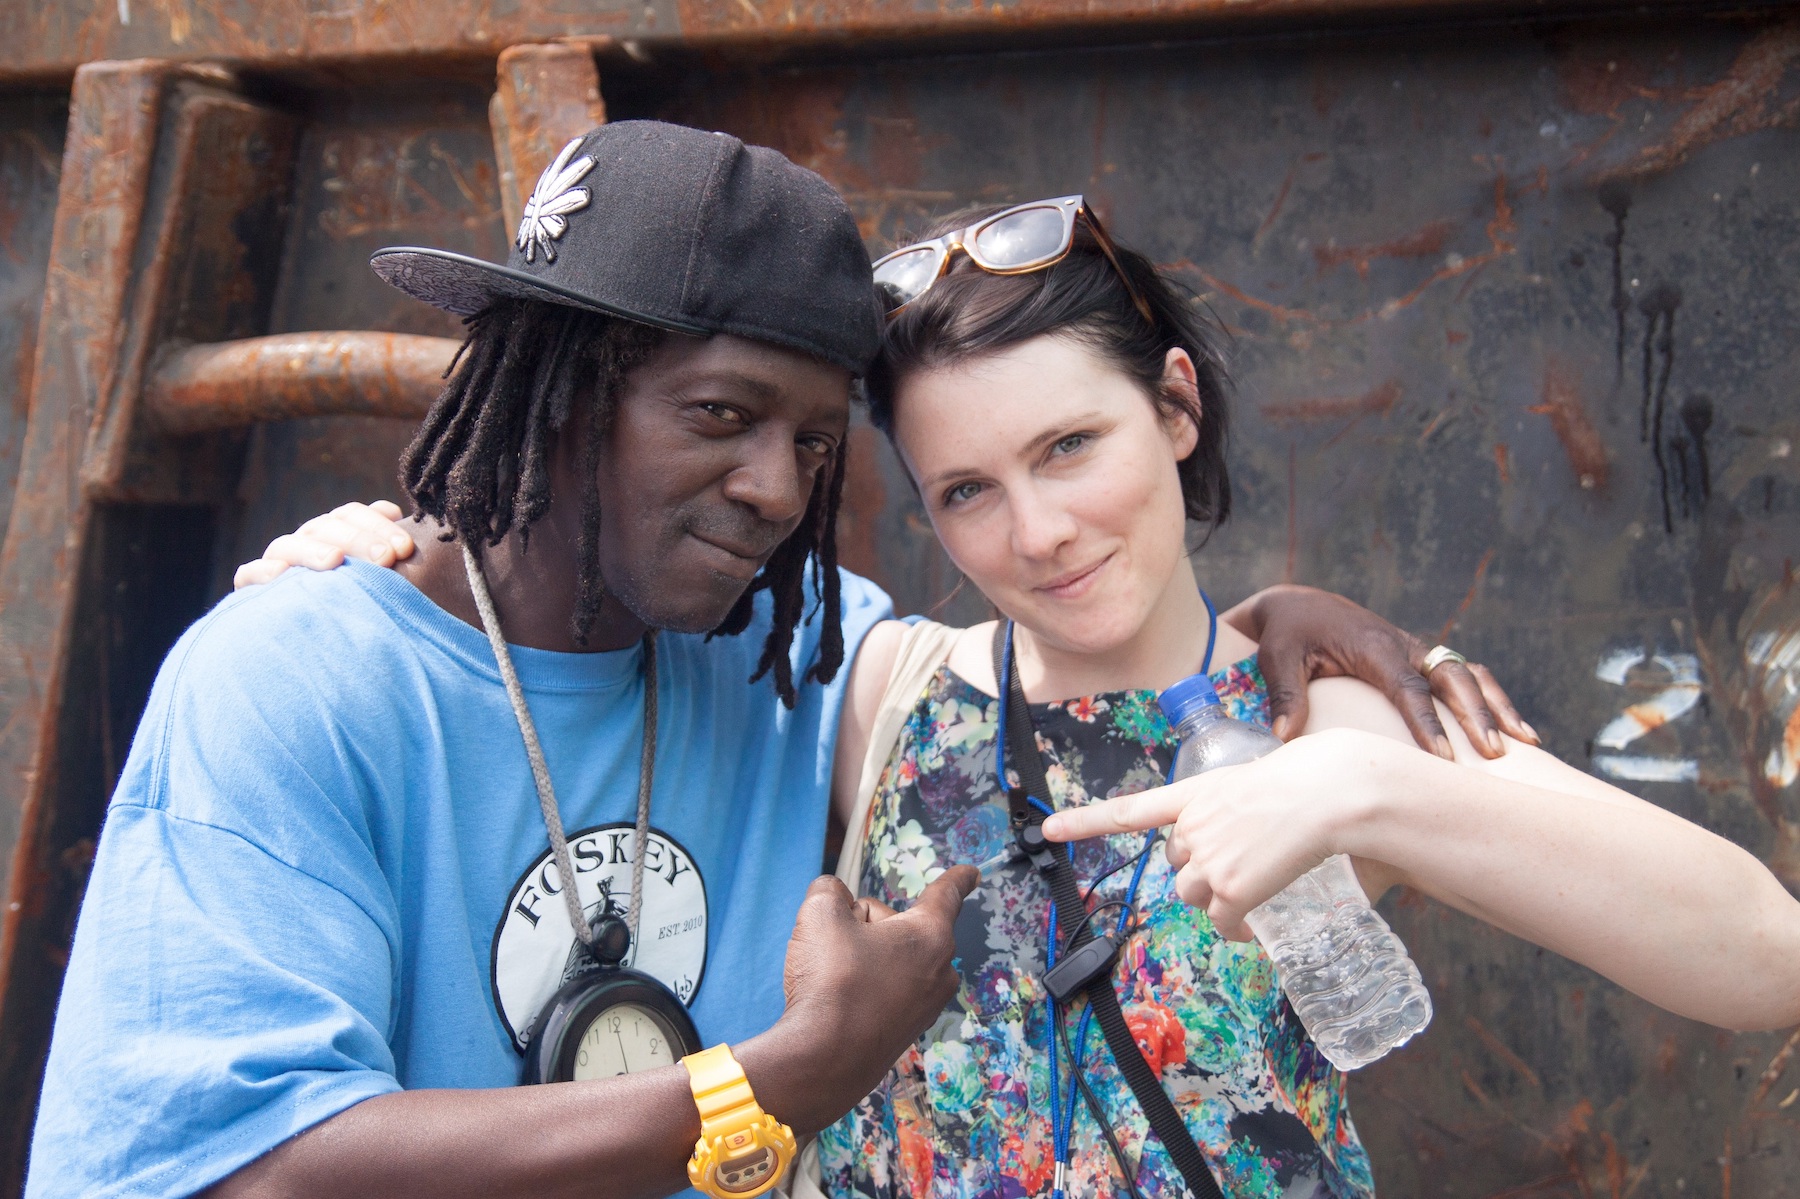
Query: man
(329, 909)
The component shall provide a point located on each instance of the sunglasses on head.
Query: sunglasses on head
(1024, 238)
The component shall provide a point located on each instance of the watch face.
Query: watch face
(625, 1039)
(746, 1173)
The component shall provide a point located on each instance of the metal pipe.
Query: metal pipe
(199, 388)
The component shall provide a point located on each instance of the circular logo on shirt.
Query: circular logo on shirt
(535, 950)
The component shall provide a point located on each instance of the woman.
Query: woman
(1065, 423)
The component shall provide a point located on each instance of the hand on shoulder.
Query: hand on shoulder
(368, 531)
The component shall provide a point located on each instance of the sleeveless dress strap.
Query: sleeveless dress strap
(923, 648)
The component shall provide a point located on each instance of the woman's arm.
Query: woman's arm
(1661, 906)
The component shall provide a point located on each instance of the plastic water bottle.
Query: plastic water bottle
(1348, 976)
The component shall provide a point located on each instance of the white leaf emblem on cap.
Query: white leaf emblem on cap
(552, 200)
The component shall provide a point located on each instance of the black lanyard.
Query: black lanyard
(1086, 961)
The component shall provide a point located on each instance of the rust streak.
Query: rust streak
(1475, 587)
(288, 31)
(1277, 311)
(1422, 243)
(1495, 1044)
(1293, 526)
(1580, 439)
(1771, 1074)
(1474, 1089)
(1377, 401)
(1737, 104)
(1535, 1187)
(1615, 1168)
(1502, 463)
(1790, 744)
(1499, 245)
(1281, 195)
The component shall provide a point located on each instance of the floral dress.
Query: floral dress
(964, 1114)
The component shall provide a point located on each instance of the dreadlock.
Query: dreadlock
(479, 464)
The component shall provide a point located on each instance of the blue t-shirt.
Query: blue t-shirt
(324, 875)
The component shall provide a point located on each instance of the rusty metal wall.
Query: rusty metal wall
(405, 163)
(1513, 316)
(31, 147)
(50, 38)
(1512, 310)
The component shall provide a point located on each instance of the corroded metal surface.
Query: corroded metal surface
(543, 97)
(51, 38)
(411, 163)
(1510, 308)
(1512, 322)
(103, 183)
(31, 144)
(168, 196)
(226, 385)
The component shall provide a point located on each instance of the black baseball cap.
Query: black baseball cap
(685, 230)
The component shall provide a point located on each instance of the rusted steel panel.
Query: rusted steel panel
(1511, 314)
(169, 202)
(31, 146)
(104, 179)
(227, 385)
(197, 275)
(409, 163)
(1512, 322)
(51, 37)
(105, 176)
(545, 95)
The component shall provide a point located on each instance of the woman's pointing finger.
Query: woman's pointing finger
(1124, 814)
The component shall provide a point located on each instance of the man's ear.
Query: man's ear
(1181, 383)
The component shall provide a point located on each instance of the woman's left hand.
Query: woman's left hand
(1241, 833)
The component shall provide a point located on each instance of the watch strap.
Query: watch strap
(721, 1092)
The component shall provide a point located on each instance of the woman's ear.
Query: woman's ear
(1181, 383)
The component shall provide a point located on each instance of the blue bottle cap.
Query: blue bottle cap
(1187, 697)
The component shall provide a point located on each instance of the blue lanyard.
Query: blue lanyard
(1062, 1112)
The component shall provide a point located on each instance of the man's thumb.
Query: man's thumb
(828, 899)
(946, 893)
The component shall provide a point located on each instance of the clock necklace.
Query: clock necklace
(610, 1019)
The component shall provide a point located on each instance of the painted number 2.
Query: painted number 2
(1676, 699)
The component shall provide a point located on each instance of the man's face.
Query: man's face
(708, 466)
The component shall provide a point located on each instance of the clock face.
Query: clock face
(625, 1038)
(609, 1022)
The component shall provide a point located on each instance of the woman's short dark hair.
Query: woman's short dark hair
(970, 312)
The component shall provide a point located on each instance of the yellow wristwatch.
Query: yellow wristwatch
(742, 1151)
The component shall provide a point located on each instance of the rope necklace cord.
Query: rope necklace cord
(540, 772)
(1062, 1115)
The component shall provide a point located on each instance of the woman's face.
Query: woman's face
(1050, 478)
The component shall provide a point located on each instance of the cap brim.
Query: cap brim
(463, 285)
